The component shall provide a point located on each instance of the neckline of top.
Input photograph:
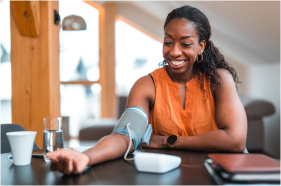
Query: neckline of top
(174, 83)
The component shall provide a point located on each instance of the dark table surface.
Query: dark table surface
(116, 172)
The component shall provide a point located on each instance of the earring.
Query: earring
(201, 58)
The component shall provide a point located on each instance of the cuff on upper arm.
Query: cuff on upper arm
(145, 138)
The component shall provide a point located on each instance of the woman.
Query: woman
(192, 101)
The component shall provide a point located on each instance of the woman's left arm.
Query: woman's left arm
(231, 121)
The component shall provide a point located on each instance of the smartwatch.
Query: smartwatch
(172, 140)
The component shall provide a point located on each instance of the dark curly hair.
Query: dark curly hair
(212, 58)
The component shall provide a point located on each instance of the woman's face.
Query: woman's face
(181, 45)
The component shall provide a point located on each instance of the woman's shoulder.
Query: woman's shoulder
(144, 84)
(158, 74)
(149, 79)
(142, 91)
(144, 80)
(224, 81)
(225, 76)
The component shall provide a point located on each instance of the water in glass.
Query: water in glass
(52, 140)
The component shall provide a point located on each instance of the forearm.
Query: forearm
(217, 140)
(108, 148)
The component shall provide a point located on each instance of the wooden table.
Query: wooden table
(116, 172)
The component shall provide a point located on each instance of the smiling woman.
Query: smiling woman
(196, 90)
(191, 102)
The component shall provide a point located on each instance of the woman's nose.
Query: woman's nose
(175, 51)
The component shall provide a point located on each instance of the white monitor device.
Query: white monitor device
(155, 163)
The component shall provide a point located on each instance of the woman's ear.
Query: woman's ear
(202, 45)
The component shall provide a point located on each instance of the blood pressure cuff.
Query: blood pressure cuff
(139, 128)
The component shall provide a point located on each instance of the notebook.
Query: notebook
(246, 167)
(219, 180)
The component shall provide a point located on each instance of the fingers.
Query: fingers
(70, 166)
(61, 160)
(156, 141)
(76, 168)
(68, 161)
(54, 165)
(63, 165)
(67, 166)
(53, 156)
(144, 145)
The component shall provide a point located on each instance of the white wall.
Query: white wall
(264, 83)
(242, 73)
(141, 19)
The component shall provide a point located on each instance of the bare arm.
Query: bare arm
(110, 147)
(70, 161)
(231, 120)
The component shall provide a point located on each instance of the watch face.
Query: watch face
(172, 139)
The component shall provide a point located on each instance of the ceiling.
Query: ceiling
(247, 31)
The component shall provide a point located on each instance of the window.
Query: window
(79, 63)
(5, 65)
(137, 54)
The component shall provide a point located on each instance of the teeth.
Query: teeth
(176, 63)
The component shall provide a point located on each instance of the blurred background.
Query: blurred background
(247, 33)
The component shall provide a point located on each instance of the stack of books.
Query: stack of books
(242, 169)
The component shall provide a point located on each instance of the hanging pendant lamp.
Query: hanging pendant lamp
(73, 22)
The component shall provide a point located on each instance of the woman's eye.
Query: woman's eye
(185, 45)
(167, 43)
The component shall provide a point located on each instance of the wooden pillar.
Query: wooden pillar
(35, 67)
(107, 59)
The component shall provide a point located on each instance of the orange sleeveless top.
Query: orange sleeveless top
(167, 116)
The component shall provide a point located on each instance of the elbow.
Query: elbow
(239, 147)
(237, 142)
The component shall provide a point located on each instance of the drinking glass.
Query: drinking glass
(52, 137)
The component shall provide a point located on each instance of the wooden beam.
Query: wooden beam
(27, 17)
(107, 59)
(35, 72)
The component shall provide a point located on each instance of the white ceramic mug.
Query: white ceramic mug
(21, 143)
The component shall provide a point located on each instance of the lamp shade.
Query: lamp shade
(73, 22)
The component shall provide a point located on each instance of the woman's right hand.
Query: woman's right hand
(156, 142)
(68, 161)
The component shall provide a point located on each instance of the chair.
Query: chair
(5, 145)
(256, 110)
(121, 106)
(94, 130)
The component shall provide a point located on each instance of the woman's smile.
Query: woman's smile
(176, 63)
